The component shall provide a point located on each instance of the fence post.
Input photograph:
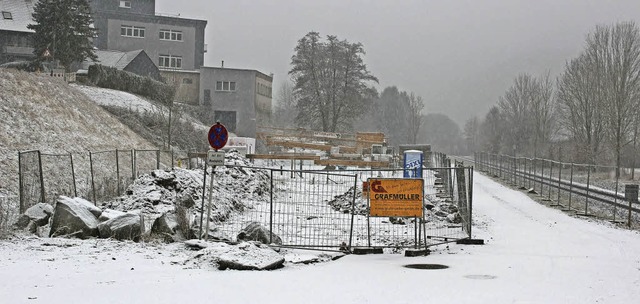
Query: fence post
(470, 200)
(559, 178)
(20, 182)
(157, 159)
(271, 207)
(550, 175)
(586, 202)
(41, 178)
(571, 186)
(515, 166)
(353, 210)
(133, 164)
(118, 171)
(615, 207)
(204, 189)
(532, 184)
(631, 194)
(541, 177)
(73, 175)
(93, 184)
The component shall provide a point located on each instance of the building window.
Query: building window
(132, 31)
(125, 4)
(226, 86)
(207, 97)
(7, 15)
(170, 61)
(227, 118)
(187, 80)
(170, 35)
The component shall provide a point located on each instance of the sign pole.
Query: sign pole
(217, 137)
(213, 172)
(204, 189)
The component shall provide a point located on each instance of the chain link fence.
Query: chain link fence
(95, 176)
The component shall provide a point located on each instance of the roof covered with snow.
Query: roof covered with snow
(116, 59)
(15, 15)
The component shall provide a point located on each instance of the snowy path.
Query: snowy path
(534, 254)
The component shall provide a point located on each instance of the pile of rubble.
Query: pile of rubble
(171, 201)
(343, 203)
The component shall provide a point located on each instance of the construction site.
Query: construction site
(332, 150)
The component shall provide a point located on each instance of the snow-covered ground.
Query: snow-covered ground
(132, 102)
(533, 254)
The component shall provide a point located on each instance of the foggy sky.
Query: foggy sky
(460, 56)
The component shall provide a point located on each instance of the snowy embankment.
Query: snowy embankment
(533, 254)
(134, 103)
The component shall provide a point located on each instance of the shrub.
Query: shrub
(112, 78)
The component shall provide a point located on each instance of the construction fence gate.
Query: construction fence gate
(309, 209)
(328, 210)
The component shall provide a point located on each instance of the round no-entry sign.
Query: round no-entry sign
(218, 136)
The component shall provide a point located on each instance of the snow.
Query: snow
(533, 254)
(109, 97)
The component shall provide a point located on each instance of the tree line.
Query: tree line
(332, 90)
(588, 114)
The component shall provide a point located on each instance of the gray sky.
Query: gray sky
(459, 55)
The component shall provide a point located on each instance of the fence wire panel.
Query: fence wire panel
(447, 216)
(58, 176)
(30, 183)
(307, 209)
(146, 161)
(125, 173)
(104, 175)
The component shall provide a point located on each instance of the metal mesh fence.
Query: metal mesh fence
(584, 189)
(94, 176)
(318, 209)
(58, 176)
(104, 181)
(30, 179)
(307, 209)
(146, 160)
(124, 169)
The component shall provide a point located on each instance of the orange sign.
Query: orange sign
(396, 197)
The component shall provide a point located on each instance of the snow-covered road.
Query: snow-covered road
(533, 254)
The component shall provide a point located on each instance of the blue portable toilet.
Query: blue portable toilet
(413, 163)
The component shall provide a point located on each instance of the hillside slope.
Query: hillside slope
(45, 113)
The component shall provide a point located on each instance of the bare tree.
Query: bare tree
(285, 110)
(414, 119)
(581, 106)
(515, 109)
(542, 112)
(472, 134)
(616, 49)
(492, 130)
(528, 111)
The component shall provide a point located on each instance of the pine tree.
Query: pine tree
(64, 30)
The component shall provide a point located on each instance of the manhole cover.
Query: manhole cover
(426, 266)
(480, 277)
